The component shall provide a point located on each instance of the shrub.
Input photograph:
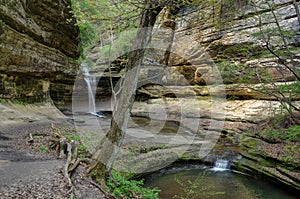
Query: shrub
(291, 134)
(123, 188)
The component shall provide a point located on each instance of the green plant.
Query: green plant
(43, 148)
(232, 71)
(73, 197)
(20, 102)
(89, 13)
(291, 134)
(241, 50)
(292, 152)
(73, 137)
(290, 88)
(288, 158)
(119, 46)
(124, 188)
(271, 32)
(228, 70)
(293, 149)
(82, 147)
(196, 188)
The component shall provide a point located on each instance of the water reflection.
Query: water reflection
(205, 183)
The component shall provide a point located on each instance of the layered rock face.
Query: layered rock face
(217, 43)
(232, 39)
(38, 45)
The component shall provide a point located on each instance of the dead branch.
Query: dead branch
(62, 147)
(74, 166)
(30, 138)
(66, 170)
(100, 188)
(66, 173)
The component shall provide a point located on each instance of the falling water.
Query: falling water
(221, 165)
(91, 83)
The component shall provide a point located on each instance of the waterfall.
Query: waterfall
(91, 83)
(221, 165)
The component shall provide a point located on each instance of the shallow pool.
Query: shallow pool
(206, 183)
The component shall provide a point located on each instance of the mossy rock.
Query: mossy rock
(250, 143)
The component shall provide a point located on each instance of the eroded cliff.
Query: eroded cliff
(38, 46)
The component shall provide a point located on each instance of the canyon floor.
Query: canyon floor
(30, 169)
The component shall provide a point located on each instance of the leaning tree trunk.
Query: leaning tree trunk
(297, 10)
(110, 144)
(169, 24)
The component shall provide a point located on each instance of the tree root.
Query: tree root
(66, 170)
(69, 149)
(31, 140)
(66, 148)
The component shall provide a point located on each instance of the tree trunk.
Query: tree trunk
(297, 10)
(112, 141)
(171, 25)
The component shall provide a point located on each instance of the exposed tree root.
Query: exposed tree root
(66, 170)
(31, 140)
(100, 188)
(66, 148)
(69, 149)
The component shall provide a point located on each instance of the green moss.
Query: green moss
(252, 143)
(249, 143)
(266, 163)
(82, 142)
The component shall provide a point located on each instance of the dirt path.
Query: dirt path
(27, 172)
(31, 170)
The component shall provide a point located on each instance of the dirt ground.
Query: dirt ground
(31, 170)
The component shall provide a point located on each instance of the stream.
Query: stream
(213, 183)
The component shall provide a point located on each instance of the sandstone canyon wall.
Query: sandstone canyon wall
(232, 38)
(38, 46)
(227, 38)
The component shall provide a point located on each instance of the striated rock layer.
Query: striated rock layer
(210, 44)
(38, 45)
(232, 40)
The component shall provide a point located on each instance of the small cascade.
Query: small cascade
(221, 165)
(91, 83)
